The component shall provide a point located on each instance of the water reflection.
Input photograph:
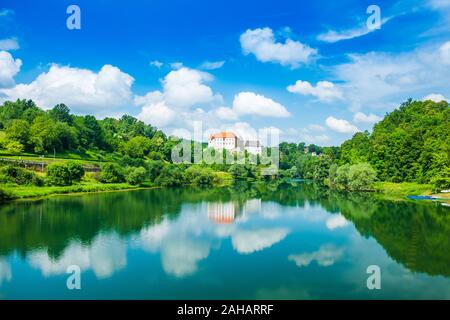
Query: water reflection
(287, 231)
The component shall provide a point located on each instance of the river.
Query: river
(289, 241)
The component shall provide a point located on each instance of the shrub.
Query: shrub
(171, 175)
(136, 176)
(58, 174)
(76, 171)
(19, 176)
(361, 177)
(14, 147)
(199, 175)
(112, 173)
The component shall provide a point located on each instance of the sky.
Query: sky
(311, 71)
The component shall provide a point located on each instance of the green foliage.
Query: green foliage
(58, 175)
(136, 176)
(199, 175)
(76, 171)
(154, 168)
(13, 146)
(20, 176)
(357, 177)
(137, 147)
(112, 173)
(411, 144)
(171, 175)
(18, 130)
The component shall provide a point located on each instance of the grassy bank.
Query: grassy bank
(21, 192)
(398, 191)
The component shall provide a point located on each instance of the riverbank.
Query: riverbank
(14, 192)
(399, 191)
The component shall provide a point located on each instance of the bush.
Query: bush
(112, 173)
(361, 177)
(19, 176)
(58, 174)
(76, 171)
(171, 175)
(136, 176)
(199, 175)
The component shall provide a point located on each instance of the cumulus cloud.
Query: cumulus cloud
(326, 256)
(340, 125)
(249, 241)
(185, 87)
(379, 80)
(104, 92)
(9, 67)
(363, 118)
(158, 114)
(436, 97)
(9, 44)
(249, 103)
(262, 43)
(324, 90)
(225, 113)
(335, 222)
(104, 256)
(212, 65)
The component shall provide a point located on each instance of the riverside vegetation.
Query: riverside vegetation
(408, 152)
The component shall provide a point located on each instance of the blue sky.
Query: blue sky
(313, 71)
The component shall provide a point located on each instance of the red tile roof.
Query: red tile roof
(223, 134)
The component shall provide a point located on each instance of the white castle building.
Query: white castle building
(229, 141)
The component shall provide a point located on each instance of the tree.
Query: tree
(171, 175)
(112, 173)
(76, 171)
(18, 130)
(361, 177)
(14, 147)
(58, 174)
(136, 176)
(137, 147)
(61, 113)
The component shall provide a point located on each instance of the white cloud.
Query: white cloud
(326, 256)
(324, 90)
(336, 221)
(363, 118)
(9, 44)
(339, 125)
(5, 271)
(436, 97)
(157, 114)
(185, 87)
(382, 81)
(444, 51)
(439, 4)
(262, 43)
(176, 65)
(316, 127)
(156, 63)
(249, 241)
(104, 256)
(83, 90)
(212, 65)
(335, 36)
(226, 113)
(249, 103)
(9, 67)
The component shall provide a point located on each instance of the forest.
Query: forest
(411, 144)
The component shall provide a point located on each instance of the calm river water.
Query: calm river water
(293, 241)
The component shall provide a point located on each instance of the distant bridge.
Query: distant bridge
(41, 165)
